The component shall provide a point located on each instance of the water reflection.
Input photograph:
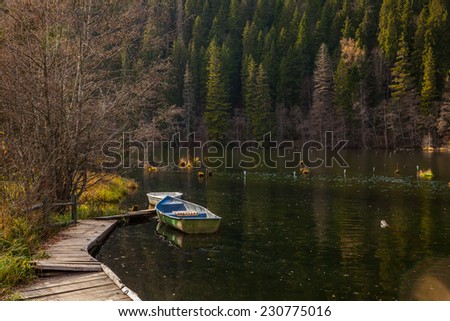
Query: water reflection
(183, 240)
(305, 238)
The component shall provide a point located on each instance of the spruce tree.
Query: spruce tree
(249, 91)
(263, 117)
(347, 30)
(188, 99)
(342, 96)
(218, 108)
(428, 91)
(179, 57)
(388, 33)
(419, 45)
(361, 34)
(303, 46)
(402, 81)
(406, 21)
(404, 95)
(321, 111)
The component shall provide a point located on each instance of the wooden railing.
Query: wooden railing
(46, 206)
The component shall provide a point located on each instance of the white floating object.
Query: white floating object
(383, 224)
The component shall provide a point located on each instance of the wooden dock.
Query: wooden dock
(71, 273)
(135, 214)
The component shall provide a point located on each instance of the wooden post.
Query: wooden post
(74, 208)
(46, 210)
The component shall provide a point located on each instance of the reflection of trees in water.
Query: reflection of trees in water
(308, 238)
(321, 212)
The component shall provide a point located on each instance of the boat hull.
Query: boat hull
(154, 198)
(190, 226)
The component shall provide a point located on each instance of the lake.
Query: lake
(315, 237)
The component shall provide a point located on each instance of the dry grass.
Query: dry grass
(18, 241)
(110, 188)
(425, 174)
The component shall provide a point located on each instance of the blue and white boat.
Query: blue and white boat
(186, 216)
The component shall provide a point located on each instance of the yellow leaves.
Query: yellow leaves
(351, 52)
(425, 174)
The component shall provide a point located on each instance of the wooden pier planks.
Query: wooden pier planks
(71, 251)
(84, 278)
(141, 213)
(83, 286)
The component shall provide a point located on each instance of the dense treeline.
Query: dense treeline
(374, 72)
(75, 74)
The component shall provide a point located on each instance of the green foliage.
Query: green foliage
(109, 189)
(249, 87)
(179, 58)
(347, 30)
(388, 26)
(402, 81)
(321, 111)
(406, 45)
(258, 102)
(342, 87)
(217, 114)
(284, 37)
(188, 98)
(263, 117)
(18, 241)
(428, 92)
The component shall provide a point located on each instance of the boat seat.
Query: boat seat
(175, 206)
(199, 215)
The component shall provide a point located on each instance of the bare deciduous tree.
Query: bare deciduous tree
(62, 91)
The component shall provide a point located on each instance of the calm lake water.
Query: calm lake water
(305, 238)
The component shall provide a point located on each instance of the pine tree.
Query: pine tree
(402, 81)
(198, 32)
(324, 23)
(188, 98)
(419, 45)
(347, 30)
(217, 114)
(249, 87)
(406, 21)
(262, 116)
(342, 96)
(428, 91)
(404, 93)
(361, 34)
(321, 111)
(248, 91)
(249, 39)
(263, 13)
(269, 58)
(388, 33)
(235, 19)
(303, 46)
(179, 57)
(438, 25)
